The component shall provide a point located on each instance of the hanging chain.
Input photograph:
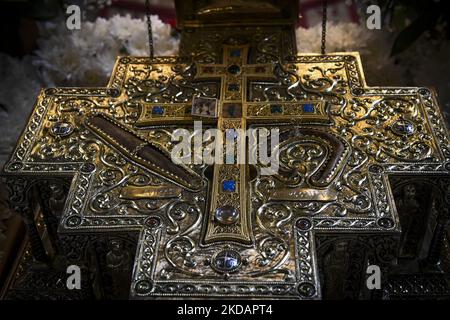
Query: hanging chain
(149, 26)
(324, 25)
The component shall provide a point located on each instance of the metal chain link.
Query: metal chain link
(150, 30)
(324, 25)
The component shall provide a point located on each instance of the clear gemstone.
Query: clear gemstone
(226, 214)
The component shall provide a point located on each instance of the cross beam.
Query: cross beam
(228, 217)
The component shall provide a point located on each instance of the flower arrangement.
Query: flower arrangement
(86, 57)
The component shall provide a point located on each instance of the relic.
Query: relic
(226, 230)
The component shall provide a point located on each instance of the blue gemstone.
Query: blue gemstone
(233, 87)
(276, 108)
(227, 261)
(62, 128)
(230, 263)
(403, 127)
(308, 108)
(235, 53)
(229, 186)
(409, 128)
(158, 110)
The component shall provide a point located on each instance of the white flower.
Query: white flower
(373, 46)
(86, 57)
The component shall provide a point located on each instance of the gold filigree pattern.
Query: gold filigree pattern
(339, 141)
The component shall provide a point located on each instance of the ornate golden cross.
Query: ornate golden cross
(339, 142)
(319, 189)
(229, 218)
(228, 214)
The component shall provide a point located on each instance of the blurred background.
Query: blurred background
(37, 50)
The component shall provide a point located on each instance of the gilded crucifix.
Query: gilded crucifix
(226, 229)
